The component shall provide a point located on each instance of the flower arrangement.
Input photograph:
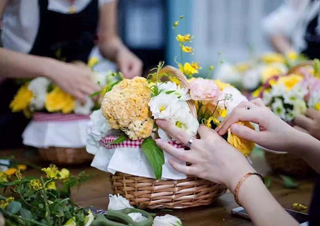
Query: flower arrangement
(132, 106)
(41, 95)
(43, 201)
(289, 96)
(250, 75)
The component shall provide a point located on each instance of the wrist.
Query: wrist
(237, 174)
(45, 67)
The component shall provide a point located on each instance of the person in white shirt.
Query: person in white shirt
(294, 26)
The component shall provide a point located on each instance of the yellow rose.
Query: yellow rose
(22, 100)
(290, 81)
(222, 85)
(57, 100)
(269, 72)
(273, 58)
(243, 145)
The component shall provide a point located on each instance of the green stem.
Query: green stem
(19, 218)
(45, 198)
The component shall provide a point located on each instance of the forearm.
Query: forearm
(261, 206)
(110, 46)
(281, 44)
(18, 65)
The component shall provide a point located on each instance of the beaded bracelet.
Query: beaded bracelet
(236, 192)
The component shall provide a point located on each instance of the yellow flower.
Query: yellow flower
(242, 67)
(269, 72)
(19, 175)
(22, 167)
(187, 49)
(175, 80)
(176, 24)
(273, 58)
(222, 85)
(22, 99)
(11, 171)
(35, 185)
(52, 171)
(184, 38)
(292, 55)
(5, 202)
(290, 81)
(57, 100)
(257, 92)
(244, 146)
(51, 186)
(317, 106)
(222, 112)
(3, 177)
(196, 66)
(93, 61)
(211, 68)
(64, 174)
(211, 120)
(188, 70)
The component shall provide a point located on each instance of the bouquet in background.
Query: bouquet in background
(250, 75)
(131, 107)
(291, 95)
(41, 95)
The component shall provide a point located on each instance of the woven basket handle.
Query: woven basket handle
(298, 66)
(183, 82)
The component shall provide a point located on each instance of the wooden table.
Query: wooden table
(95, 193)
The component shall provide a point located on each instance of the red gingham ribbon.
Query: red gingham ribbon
(58, 117)
(128, 143)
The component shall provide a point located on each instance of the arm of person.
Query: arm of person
(74, 80)
(111, 46)
(281, 44)
(3, 5)
(213, 159)
(274, 134)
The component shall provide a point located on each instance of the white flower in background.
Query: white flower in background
(171, 87)
(235, 98)
(167, 220)
(97, 128)
(278, 108)
(137, 217)
(267, 98)
(251, 79)
(299, 107)
(227, 73)
(117, 202)
(278, 90)
(84, 109)
(39, 87)
(164, 106)
(104, 79)
(297, 93)
(186, 122)
(289, 116)
(314, 98)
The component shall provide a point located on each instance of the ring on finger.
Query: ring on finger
(190, 141)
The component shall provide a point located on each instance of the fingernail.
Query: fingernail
(159, 141)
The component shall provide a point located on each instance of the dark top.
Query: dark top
(315, 205)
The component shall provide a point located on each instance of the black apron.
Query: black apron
(312, 39)
(67, 37)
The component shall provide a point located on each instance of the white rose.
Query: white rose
(85, 109)
(39, 87)
(167, 220)
(117, 202)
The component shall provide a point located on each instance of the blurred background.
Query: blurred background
(232, 28)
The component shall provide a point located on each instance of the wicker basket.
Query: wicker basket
(288, 164)
(65, 156)
(296, 69)
(159, 194)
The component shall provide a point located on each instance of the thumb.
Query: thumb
(246, 133)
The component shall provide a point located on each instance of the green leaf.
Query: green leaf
(26, 214)
(267, 181)
(169, 92)
(316, 66)
(154, 155)
(95, 94)
(120, 139)
(289, 182)
(14, 207)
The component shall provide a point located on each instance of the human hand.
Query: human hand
(75, 80)
(128, 63)
(211, 157)
(274, 134)
(310, 123)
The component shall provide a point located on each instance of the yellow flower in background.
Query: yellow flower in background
(93, 61)
(317, 106)
(64, 173)
(176, 24)
(22, 99)
(11, 171)
(187, 49)
(4, 203)
(257, 92)
(242, 67)
(269, 72)
(292, 55)
(243, 145)
(222, 85)
(52, 171)
(273, 58)
(188, 70)
(184, 38)
(196, 65)
(290, 81)
(35, 185)
(211, 68)
(51, 186)
(211, 120)
(22, 167)
(58, 100)
(175, 80)
(3, 177)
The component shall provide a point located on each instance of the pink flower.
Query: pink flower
(204, 90)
